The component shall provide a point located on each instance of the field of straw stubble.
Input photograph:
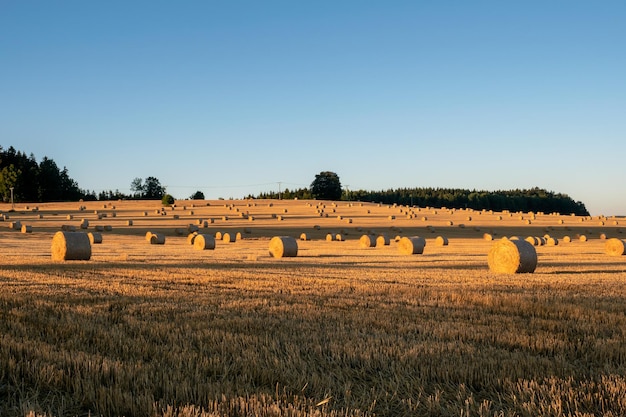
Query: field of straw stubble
(165, 330)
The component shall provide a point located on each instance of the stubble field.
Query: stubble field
(339, 330)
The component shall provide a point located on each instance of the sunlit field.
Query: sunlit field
(338, 330)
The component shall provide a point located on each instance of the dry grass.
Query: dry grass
(165, 330)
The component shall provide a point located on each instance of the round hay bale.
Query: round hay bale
(615, 247)
(157, 239)
(94, 237)
(129, 223)
(602, 236)
(192, 228)
(70, 246)
(99, 228)
(567, 239)
(488, 237)
(532, 240)
(204, 242)
(68, 228)
(228, 237)
(330, 237)
(367, 241)
(218, 235)
(441, 241)
(382, 240)
(148, 236)
(339, 237)
(582, 238)
(552, 241)
(411, 245)
(303, 236)
(84, 224)
(238, 236)
(191, 237)
(69, 217)
(512, 257)
(108, 228)
(283, 247)
(27, 229)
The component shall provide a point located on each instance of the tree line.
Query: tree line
(534, 199)
(43, 181)
(35, 181)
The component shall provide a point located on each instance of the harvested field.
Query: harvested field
(166, 330)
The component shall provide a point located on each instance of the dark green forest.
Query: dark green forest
(534, 199)
(34, 181)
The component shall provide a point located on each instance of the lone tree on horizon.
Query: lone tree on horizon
(326, 186)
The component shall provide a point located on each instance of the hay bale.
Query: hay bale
(218, 235)
(382, 240)
(582, 238)
(602, 236)
(441, 241)
(238, 236)
(99, 228)
(330, 237)
(69, 217)
(94, 237)
(16, 225)
(615, 247)
(283, 247)
(27, 229)
(411, 245)
(228, 237)
(532, 240)
(339, 237)
(191, 228)
(70, 246)
(367, 241)
(191, 237)
(108, 228)
(68, 228)
(157, 239)
(84, 224)
(204, 242)
(567, 239)
(552, 241)
(512, 257)
(488, 237)
(303, 236)
(129, 223)
(148, 236)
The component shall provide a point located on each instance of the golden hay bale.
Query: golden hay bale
(512, 257)
(411, 245)
(283, 247)
(367, 241)
(157, 239)
(552, 241)
(602, 236)
(567, 239)
(441, 241)
(488, 237)
(204, 242)
(382, 240)
(303, 236)
(228, 237)
(615, 247)
(582, 238)
(532, 240)
(84, 224)
(330, 237)
(70, 246)
(69, 217)
(450, 223)
(94, 237)
(27, 229)
(218, 235)
(339, 237)
(191, 237)
(238, 236)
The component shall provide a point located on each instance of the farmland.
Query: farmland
(166, 330)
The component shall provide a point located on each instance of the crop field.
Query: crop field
(145, 329)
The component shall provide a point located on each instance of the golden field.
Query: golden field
(166, 330)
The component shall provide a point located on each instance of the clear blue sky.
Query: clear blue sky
(232, 97)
